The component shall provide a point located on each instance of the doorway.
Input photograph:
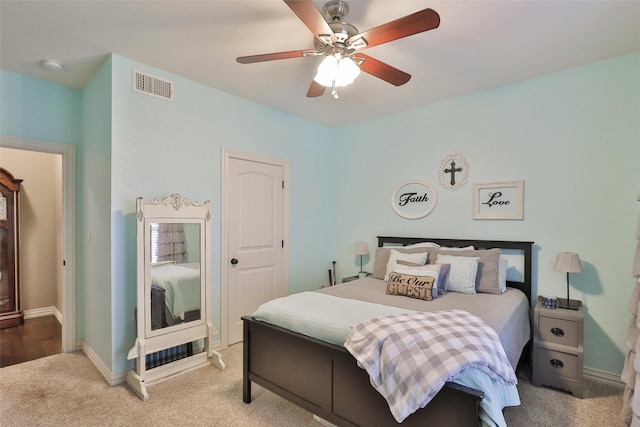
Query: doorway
(254, 237)
(67, 224)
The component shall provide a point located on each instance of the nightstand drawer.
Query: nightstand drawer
(558, 331)
(557, 363)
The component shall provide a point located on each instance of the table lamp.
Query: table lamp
(567, 262)
(361, 249)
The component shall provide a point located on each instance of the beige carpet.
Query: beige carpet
(66, 389)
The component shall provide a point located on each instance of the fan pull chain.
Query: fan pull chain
(334, 90)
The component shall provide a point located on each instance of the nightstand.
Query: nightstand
(557, 348)
(352, 278)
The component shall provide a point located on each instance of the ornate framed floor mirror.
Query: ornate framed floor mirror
(173, 316)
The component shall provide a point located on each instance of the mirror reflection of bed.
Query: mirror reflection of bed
(175, 274)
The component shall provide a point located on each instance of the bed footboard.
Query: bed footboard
(326, 380)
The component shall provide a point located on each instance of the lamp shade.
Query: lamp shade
(568, 262)
(334, 71)
(361, 248)
(347, 72)
(327, 71)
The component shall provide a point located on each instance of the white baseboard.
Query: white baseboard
(603, 377)
(119, 377)
(113, 378)
(97, 363)
(43, 311)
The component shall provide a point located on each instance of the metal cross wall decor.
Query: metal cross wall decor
(454, 171)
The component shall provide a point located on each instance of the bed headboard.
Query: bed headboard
(524, 247)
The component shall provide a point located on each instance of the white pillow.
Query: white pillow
(417, 258)
(466, 248)
(462, 274)
(432, 270)
(424, 245)
(503, 266)
(435, 245)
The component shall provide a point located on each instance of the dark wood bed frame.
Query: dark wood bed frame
(325, 379)
(159, 313)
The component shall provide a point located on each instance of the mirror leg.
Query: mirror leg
(137, 384)
(216, 358)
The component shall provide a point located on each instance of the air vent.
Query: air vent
(153, 86)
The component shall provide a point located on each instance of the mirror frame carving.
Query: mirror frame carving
(171, 209)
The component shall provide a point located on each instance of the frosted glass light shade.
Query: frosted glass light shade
(326, 71)
(336, 72)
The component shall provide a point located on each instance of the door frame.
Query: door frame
(68, 152)
(226, 155)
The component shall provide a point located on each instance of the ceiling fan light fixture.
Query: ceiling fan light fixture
(336, 72)
(327, 71)
(348, 71)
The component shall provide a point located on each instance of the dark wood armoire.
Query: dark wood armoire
(10, 308)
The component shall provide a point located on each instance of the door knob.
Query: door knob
(234, 261)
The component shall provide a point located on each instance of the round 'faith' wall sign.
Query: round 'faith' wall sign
(413, 199)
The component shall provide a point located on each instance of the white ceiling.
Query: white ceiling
(479, 45)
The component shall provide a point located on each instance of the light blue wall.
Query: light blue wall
(161, 147)
(572, 137)
(36, 109)
(96, 227)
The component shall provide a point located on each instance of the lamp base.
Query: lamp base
(362, 274)
(569, 304)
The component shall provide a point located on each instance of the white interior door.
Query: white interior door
(255, 223)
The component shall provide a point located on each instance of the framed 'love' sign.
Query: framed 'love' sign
(499, 200)
(413, 199)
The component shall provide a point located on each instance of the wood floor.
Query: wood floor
(37, 337)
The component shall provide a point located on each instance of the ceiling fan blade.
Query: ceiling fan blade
(313, 19)
(424, 20)
(316, 89)
(273, 56)
(383, 71)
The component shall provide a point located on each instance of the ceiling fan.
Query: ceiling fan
(342, 44)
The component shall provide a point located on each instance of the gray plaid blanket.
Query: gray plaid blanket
(409, 357)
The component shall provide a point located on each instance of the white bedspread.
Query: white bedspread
(182, 285)
(409, 357)
(321, 316)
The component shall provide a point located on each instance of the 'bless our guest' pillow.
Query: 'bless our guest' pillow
(419, 287)
(439, 285)
(408, 285)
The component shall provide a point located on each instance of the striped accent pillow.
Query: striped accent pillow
(462, 273)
